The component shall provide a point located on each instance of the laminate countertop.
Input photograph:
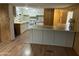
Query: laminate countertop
(55, 28)
(20, 22)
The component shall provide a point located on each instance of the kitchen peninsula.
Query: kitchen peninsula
(20, 27)
(58, 36)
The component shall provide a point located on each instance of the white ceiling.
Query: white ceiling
(44, 5)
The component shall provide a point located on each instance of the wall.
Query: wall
(76, 43)
(6, 25)
(76, 27)
(29, 11)
(11, 16)
(35, 11)
(75, 9)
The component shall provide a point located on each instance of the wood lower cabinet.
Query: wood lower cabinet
(17, 29)
(20, 28)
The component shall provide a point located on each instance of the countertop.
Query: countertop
(55, 28)
(20, 22)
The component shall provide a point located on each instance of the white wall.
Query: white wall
(30, 11)
(35, 11)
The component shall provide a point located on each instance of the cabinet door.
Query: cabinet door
(37, 36)
(48, 16)
(23, 27)
(48, 37)
(60, 38)
(69, 39)
(64, 38)
(60, 16)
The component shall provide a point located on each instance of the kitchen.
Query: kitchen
(44, 24)
(28, 17)
(49, 26)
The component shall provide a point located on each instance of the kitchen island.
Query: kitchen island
(47, 35)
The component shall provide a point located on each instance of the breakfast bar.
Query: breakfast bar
(59, 36)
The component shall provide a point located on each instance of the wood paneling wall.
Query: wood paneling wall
(14, 11)
(76, 43)
(48, 16)
(76, 28)
(5, 23)
(11, 16)
(75, 9)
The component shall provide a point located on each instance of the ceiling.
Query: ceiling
(44, 5)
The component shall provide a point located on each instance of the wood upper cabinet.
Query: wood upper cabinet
(48, 16)
(60, 16)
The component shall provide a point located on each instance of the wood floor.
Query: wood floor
(19, 47)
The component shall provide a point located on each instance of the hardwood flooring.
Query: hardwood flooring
(49, 50)
(19, 47)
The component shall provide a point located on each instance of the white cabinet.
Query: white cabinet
(23, 27)
(69, 39)
(64, 38)
(29, 36)
(48, 37)
(37, 36)
(60, 38)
